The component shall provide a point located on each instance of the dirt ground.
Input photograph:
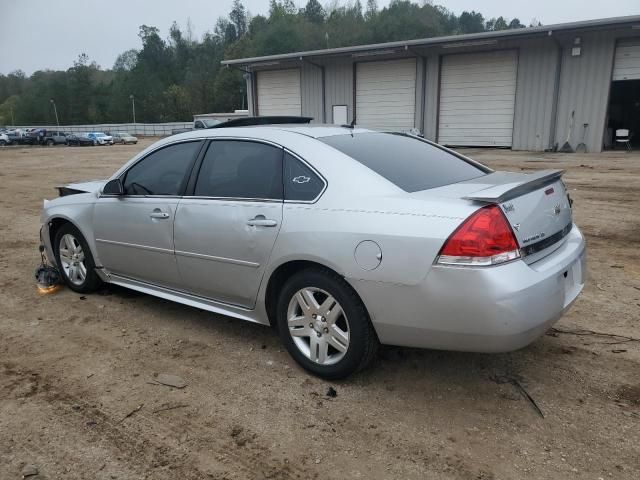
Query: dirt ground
(76, 400)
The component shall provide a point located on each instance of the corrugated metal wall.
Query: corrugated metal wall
(585, 82)
(432, 89)
(311, 90)
(338, 87)
(421, 63)
(535, 92)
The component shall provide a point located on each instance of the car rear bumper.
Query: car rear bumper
(490, 309)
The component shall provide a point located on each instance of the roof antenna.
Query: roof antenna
(351, 125)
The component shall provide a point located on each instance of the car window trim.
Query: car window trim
(313, 169)
(185, 181)
(191, 186)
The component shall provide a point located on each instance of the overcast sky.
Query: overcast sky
(41, 34)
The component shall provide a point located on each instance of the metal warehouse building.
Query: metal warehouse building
(526, 89)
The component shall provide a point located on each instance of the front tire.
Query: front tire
(74, 260)
(324, 325)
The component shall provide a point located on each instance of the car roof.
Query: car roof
(319, 130)
(309, 130)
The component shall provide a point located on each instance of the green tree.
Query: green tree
(177, 104)
(126, 61)
(372, 10)
(314, 12)
(238, 18)
(175, 77)
(471, 22)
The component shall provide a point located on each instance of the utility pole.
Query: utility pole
(55, 110)
(133, 107)
(13, 122)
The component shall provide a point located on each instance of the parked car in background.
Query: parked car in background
(54, 137)
(4, 140)
(31, 137)
(124, 138)
(80, 140)
(431, 250)
(100, 138)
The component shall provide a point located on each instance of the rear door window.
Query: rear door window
(408, 162)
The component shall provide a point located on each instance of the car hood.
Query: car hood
(91, 186)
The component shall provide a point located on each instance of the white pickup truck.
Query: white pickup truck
(206, 120)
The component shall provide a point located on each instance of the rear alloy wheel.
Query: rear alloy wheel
(324, 325)
(50, 143)
(74, 260)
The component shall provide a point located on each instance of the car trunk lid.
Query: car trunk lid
(536, 206)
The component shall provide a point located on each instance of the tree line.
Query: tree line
(172, 78)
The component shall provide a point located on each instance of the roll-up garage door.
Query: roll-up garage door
(627, 62)
(279, 92)
(477, 98)
(386, 94)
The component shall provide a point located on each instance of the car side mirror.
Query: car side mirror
(113, 187)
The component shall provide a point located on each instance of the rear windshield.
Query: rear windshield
(409, 162)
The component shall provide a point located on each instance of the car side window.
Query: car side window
(163, 172)
(241, 169)
(300, 182)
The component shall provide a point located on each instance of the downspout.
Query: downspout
(322, 74)
(248, 75)
(423, 94)
(556, 96)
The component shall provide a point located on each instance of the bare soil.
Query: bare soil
(77, 399)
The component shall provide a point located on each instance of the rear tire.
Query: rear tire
(50, 143)
(74, 260)
(324, 325)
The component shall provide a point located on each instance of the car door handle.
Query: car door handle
(260, 221)
(159, 215)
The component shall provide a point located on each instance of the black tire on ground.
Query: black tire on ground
(91, 281)
(2, 143)
(363, 341)
(50, 143)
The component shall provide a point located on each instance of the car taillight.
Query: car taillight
(485, 238)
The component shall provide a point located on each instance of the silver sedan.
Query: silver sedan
(341, 238)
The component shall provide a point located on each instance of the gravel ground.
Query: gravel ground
(78, 400)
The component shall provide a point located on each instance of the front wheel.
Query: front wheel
(324, 325)
(74, 260)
